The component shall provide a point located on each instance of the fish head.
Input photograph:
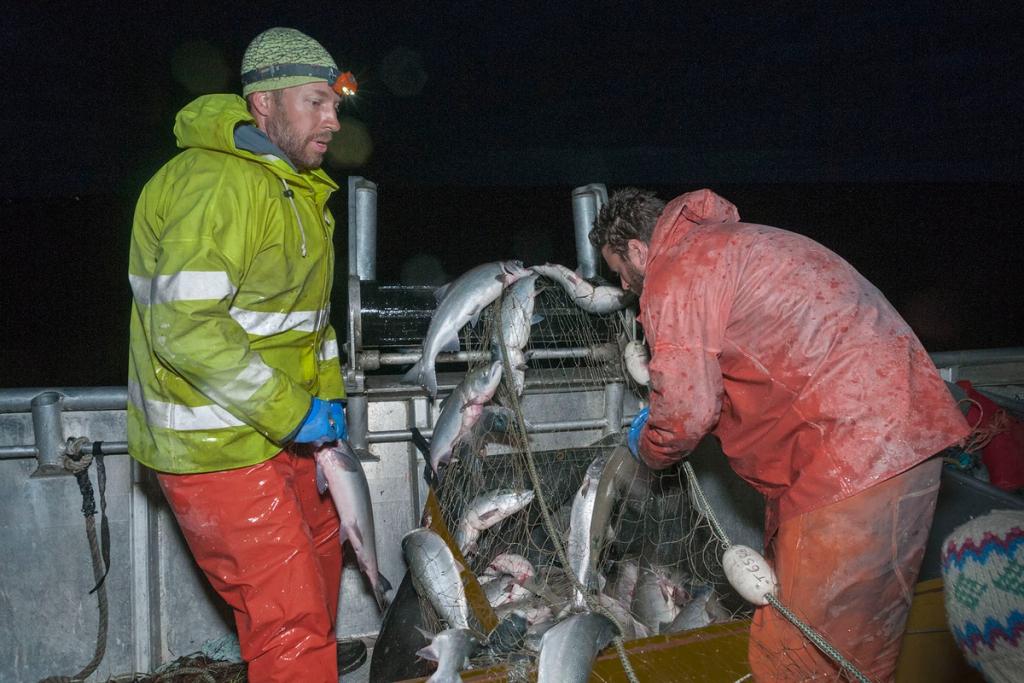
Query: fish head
(420, 539)
(481, 383)
(525, 289)
(511, 271)
(492, 377)
(495, 420)
(514, 564)
(671, 592)
(521, 499)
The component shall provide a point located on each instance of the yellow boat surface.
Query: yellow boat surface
(718, 653)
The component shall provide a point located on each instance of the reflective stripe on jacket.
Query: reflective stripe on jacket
(231, 280)
(814, 384)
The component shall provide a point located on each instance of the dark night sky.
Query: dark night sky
(543, 92)
(890, 132)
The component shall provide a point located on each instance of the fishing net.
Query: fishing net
(656, 559)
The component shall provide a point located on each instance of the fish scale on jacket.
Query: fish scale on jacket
(814, 384)
(231, 267)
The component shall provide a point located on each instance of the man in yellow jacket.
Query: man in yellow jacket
(233, 359)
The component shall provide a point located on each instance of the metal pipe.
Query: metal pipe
(362, 228)
(49, 433)
(400, 435)
(579, 382)
(116, 398)
(356, 413)
(74, 398)
(972, 357)
(22, 452)
(373, 360)
(613, 395)
(599, 352)
(586, 202)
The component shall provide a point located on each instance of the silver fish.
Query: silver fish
(609, 476)
(567, 651)
(603, 299)
(534, 634)
(507, 636)
(658, 598)
(631, 628)
(533, 609)
(637, 359)
(435, 574)
(517, 363)
(702, 610)
(580, 547)
(516, 320)
(498, 591)
(462, 410)
(511, 563)
(451, 649)
(518, 593)
(461, 303)
(338, 469)
(623, 586)
(485, 511)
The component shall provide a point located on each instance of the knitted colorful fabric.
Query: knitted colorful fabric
(983, 571)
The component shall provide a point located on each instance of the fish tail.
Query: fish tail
(380, 592)
(428, 380)
(424, 375)
(413, 376)
(431, 473)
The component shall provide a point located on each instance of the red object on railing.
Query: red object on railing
(1000, 438)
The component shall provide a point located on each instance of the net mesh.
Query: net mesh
(655, 562)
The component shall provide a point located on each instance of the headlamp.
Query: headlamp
(343, 83)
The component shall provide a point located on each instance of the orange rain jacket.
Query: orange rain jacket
(814, 384)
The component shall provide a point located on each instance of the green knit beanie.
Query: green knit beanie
(983, 573)
(283, 57)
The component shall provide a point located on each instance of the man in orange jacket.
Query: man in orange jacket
(823, 399)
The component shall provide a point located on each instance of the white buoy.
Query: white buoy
(750, 574)
(636, 358)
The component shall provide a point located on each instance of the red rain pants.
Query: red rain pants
(268, 543)
(848, 569)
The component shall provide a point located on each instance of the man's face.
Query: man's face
(301, 121)
(630, 267)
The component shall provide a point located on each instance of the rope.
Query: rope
(549, 525)
(80, 467)
(203, 671)
(813, 636)
(982, 434)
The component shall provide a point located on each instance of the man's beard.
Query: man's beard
(281, 133)
(634, 278)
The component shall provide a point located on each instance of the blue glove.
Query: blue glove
(633, 440)
(337, 411)
(317, 428)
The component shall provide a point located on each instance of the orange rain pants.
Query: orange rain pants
(848, 569)
(268, 543)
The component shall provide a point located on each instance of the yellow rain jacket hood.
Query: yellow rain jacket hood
(231, 266)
